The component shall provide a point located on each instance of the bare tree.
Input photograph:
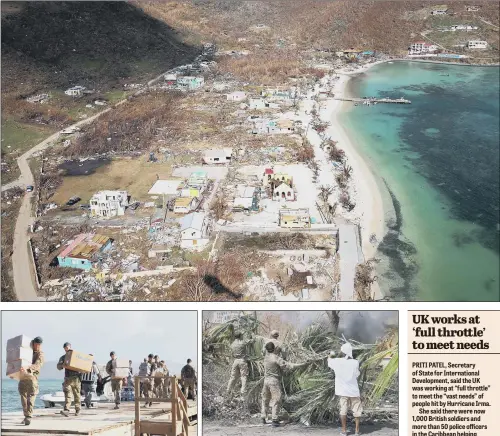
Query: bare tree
(324, 193)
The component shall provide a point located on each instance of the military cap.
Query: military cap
(66, 344)
(112, 353)
(38, 340)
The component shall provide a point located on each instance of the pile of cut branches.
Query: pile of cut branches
(310, 389)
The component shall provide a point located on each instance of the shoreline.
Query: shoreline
(369, 212)
(367, 192)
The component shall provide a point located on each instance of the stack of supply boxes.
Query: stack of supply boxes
(120, 369)
(18, 355)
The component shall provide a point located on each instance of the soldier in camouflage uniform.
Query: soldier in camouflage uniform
(147, 384)
(71, 385)
(116, 384)
(188, 379)
(240, 364)
(28, 384)
(271, 391)
(159, 380)
(278, 345)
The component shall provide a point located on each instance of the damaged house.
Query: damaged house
(283, 191)
(83, 250)
(185, 204)
(108, 204)
(218, 156)
(190, 83)
(194, 230)
(247, 198)
(295, 218)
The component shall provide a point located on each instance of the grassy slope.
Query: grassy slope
(49, 46)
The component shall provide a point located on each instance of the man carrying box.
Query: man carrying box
(28, 384)
(71, 385)
(116, 383)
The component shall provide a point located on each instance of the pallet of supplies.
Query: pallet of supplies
(79, 362)
(21, 341)
(14, 368)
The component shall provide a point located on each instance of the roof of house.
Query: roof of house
(193, 221)
(289, 217)
(244, 202)
(245, 191)
(283, 186)
(284, 123)
(294, 212)
(217, 152)
(165, 187)
(198, 175)
(183, 201)
(84, 246)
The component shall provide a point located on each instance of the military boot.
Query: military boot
(64, 412)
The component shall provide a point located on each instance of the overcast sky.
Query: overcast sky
(131, 334)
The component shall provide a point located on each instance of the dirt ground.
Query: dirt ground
(215, 429)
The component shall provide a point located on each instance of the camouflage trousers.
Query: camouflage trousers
(147, 388)
(28, 389)
(116, 386)
(159, 387)
(189, 385)
(271, 396)
(238, 370)
(71, 388)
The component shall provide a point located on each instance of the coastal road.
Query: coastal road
(21, 257)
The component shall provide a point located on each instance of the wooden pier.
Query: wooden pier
(374, 100)
(173, 416)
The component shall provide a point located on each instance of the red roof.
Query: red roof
(268, 171)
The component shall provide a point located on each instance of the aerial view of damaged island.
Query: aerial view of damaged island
(245, 151)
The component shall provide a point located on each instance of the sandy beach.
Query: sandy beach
(369, 212)
(364, 190)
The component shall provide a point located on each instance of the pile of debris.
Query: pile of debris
(309, 390)
(88, 288)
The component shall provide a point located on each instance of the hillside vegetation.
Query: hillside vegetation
(386, 26)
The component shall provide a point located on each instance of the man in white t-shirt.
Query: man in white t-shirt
(346, 385)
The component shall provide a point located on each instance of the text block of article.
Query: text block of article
(454, 364)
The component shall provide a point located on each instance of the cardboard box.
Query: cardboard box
(120, 373)
(77, 361)
(13, 369)
(19, 353)
(17, 342)
(120, 363)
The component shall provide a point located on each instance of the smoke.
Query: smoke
(364, 326)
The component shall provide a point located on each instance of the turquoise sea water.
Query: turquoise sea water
(11, 401)
(437, 162)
